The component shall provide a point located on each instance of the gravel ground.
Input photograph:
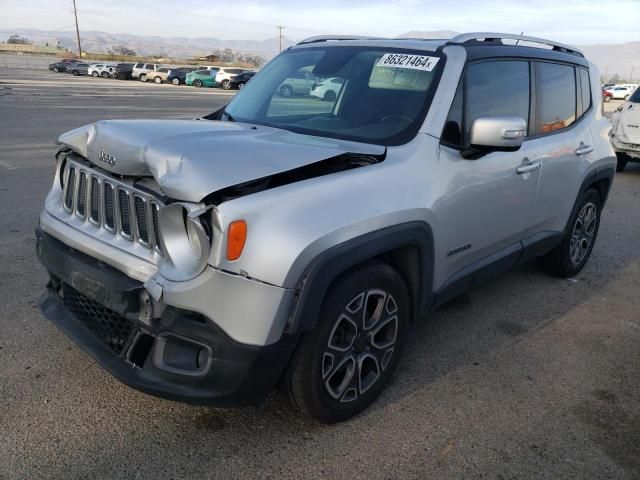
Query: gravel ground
(525, 377)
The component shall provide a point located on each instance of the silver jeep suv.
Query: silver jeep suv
(291, 241)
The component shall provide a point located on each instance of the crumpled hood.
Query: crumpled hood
(193, 158)
(626, 123)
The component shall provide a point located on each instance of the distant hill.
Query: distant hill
(611, 59)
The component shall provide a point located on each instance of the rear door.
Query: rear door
(561, 142)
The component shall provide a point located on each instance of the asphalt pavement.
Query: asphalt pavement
(528, 376)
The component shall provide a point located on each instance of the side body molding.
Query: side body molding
(331, 263)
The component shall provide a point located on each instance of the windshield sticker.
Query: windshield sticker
(414, 62)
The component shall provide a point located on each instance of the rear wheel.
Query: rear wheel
(340, 368)
(197, 83)
(626, 97)
(568, 258)
(176, 81)
(75, 73)
(95, 74)
(143, 77)
(56, 69)
(104, 74)
(240, 85)
(158, 80)
(606, 99)
(623, 159)
(226, 84)
(121, 76)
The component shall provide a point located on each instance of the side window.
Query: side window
(489, 88)
(585, 91)
(555, 97)
(496, 88)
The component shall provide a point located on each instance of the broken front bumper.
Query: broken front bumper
(180, 354)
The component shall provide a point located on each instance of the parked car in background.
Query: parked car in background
(202, 78)
(606, 95)
(178, 76)
(327, 89)
(142, 70)
(123, 71)
(160, 75)
(625, 131)
(59, 67)
(101, 70)
(239, 81)
(298, 83)
(226, 74)
(77, 69)
(620, 92)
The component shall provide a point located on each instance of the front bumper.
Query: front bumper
(177, 354)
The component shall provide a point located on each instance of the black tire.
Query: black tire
(286, 91)
(143, 77)
(104, 74)
(310, 379)
(197, 83)
(240, 85)
(329, 96)
(121, 76)
(75, 73)
(176, 81)
(55, 69)
(568, 258)
(623, 159)
(95, 74)
(226, 84)
(626, 97)
(158, 80)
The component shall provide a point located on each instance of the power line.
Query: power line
(75, 12)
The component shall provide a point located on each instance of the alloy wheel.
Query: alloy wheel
(583, 233)
(360, 345)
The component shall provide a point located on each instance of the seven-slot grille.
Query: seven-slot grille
(111, 204)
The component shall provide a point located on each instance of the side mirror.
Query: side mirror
(493, 133)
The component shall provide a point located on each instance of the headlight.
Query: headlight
(184, 241)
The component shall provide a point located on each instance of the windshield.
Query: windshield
(367, 94)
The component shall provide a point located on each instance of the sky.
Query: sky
(581, 22)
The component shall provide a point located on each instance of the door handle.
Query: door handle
(528, 167)
(584, 149)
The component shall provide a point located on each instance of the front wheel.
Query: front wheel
(94, 74)
(226, 84)
(568, 258)
(240, 85)
(197, 83)
(341, 367)
(143, 77)
(286, 91)
(175, 81)
(626, 97)
(75, 73)
(158, 80)
(104, 74)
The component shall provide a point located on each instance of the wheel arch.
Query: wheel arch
(407, 247)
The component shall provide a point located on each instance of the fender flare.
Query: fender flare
(325, 268)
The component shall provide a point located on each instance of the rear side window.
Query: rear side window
(585, 91)
(555, 97)
(635, 98)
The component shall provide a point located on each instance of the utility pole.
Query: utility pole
(279, 27)
(75, 12)
(631, 75)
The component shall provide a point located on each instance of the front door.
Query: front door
(487, 203)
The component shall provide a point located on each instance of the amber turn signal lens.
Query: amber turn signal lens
(236, 237)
